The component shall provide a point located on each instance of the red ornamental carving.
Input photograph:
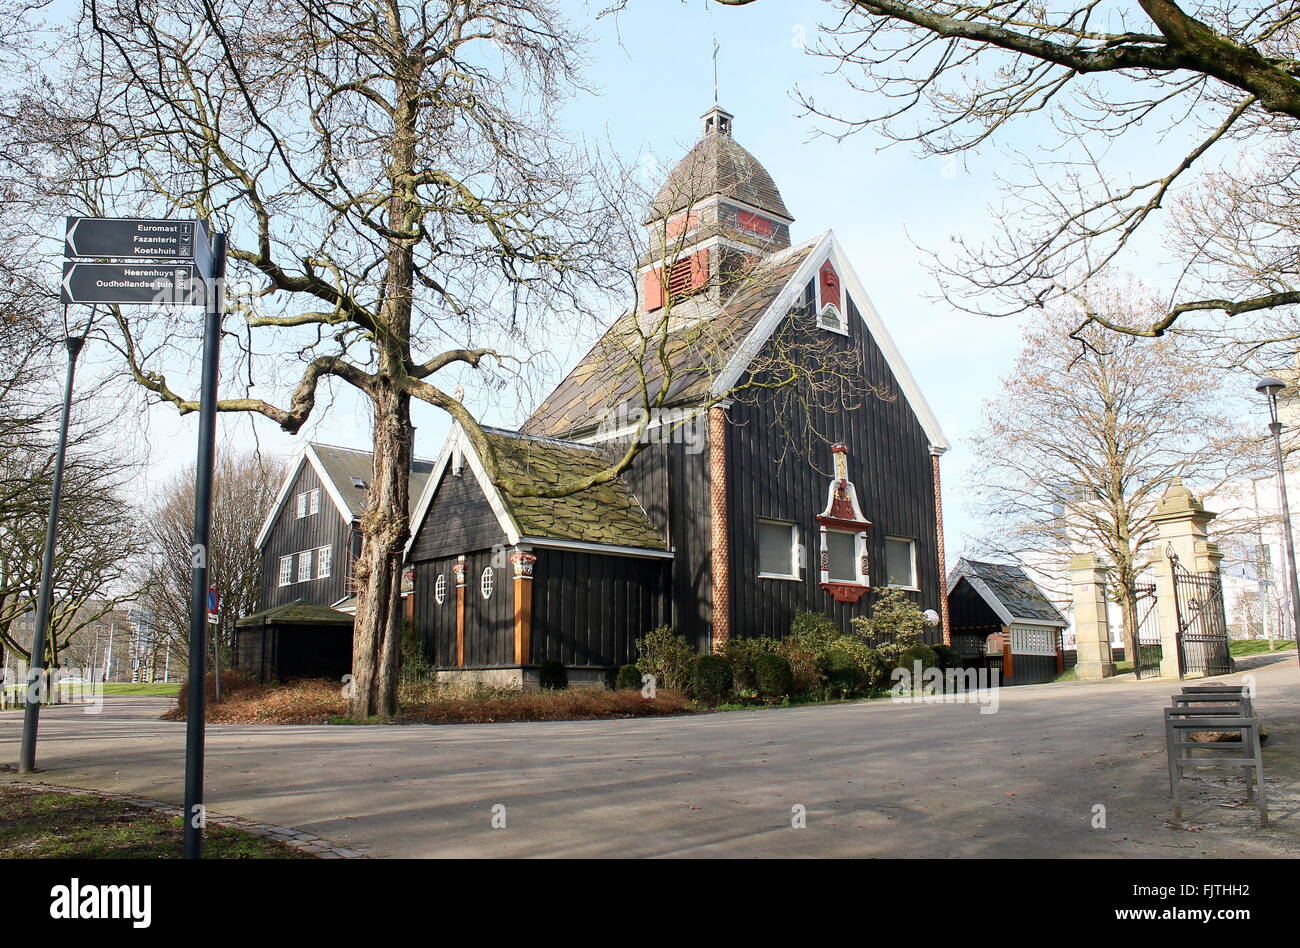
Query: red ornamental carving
(845, 592)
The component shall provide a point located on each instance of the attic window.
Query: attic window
(486, 582)
(831, 318)
(440, 589)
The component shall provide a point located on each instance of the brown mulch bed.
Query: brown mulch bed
(322, 702)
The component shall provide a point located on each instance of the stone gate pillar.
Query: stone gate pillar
(1091, 628)
(1182, 521)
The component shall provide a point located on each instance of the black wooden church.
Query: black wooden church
(731, 519)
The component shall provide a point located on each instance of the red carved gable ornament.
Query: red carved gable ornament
(829, 282)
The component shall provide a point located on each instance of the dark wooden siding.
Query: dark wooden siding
(1033, 669)
(682, 513)
(588, 609)
(292, 535)
(779, 466)
(968, 610)
(458, 520)
(489, 623)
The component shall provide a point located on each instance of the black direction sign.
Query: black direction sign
(135, 239)
(150, 284)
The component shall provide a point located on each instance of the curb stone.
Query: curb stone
(298, 839)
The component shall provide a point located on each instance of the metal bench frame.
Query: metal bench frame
(1182, 721)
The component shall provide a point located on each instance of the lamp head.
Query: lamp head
(1270, 387)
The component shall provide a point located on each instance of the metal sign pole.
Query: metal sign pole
(193, 813)
(36, 667)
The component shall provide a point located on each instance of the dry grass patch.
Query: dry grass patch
(245, 701)
(485, 706)
(321, 702)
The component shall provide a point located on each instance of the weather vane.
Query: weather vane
(716, 47)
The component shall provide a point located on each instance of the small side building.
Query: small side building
(997, 611)
(297, 640)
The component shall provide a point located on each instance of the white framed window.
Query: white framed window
(900, 562)
(286, 570)
(304, 566)
(842, 557)
(440, 589)
(831, 318)
(301, 505)
(778, 550)
(486, 582)
(324, 561)
(313, 501)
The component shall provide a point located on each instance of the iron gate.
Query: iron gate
(1146, 664)
(1202, 627)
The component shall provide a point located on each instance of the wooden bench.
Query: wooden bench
(1182, 721)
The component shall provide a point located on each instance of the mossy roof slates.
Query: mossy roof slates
(607, 513)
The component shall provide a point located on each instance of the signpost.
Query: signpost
(149, 284)
(150, 263)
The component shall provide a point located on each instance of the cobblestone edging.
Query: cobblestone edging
(317, 846)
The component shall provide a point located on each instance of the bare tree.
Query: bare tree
(243, 493)
(401, 215)
(1084, 439)
(1128, 78)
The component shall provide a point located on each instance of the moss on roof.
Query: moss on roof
(608, 514)
(297, 613)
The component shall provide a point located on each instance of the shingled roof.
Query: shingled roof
(297, 613)
(717, 165)
(343, 464)
(608, 514)
(608, 377)
(1007, 589)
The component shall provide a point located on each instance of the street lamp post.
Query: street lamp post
(1270, 388)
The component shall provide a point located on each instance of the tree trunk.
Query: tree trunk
(376, 639)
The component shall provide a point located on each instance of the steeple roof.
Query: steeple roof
(717, 165)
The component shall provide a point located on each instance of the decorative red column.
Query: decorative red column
(523, 564)
(720, 561)
(458, 568)
(943, 567)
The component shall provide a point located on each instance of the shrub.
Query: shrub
(667, 656)
(742, 653)
(919, 653)
(710, 679)
(843, 675)
(773, 677)
(553, 675)
(895, 625)
(629, 679)
(946, 656)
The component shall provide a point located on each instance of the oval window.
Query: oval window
(440, 589)
(485, 583)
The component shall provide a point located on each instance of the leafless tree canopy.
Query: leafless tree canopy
(244, 489)
(1159, 122)
(1084, 439)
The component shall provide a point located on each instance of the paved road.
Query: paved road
(876, 778)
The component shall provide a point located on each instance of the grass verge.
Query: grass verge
(1240, 648)
(38, 824)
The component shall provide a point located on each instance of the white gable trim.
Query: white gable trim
(827, 247)
(459, 445)
(308, 456)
